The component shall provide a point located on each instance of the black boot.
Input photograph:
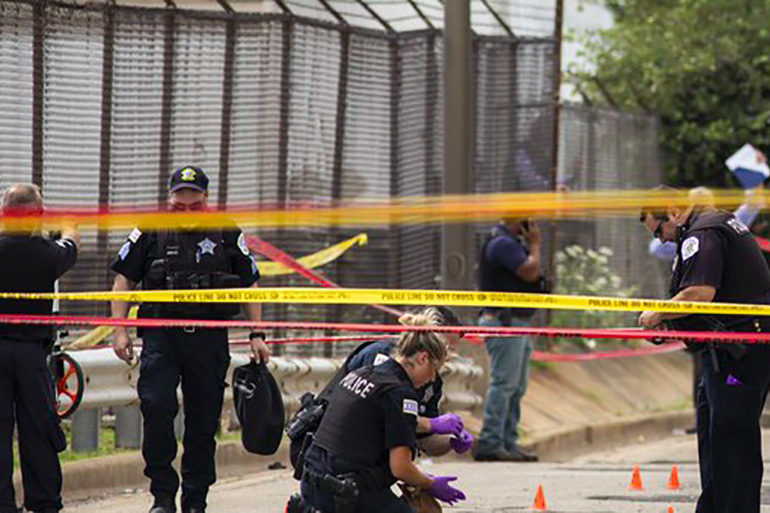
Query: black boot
(163, 505)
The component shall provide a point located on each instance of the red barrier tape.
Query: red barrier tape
(626, 333)
(540, 356)
(669, 347)
(764, 244)
(276, 255)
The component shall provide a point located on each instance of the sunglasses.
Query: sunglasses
(184, 207)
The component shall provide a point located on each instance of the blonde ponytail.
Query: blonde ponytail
(412, 342)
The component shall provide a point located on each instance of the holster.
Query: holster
(299, 464)
(344, 490)
(734, 351)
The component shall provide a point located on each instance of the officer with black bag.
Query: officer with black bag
(183, 259)
(30, 263)
(366, 439)
(718, 260)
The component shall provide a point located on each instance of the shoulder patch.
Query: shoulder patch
(381, 358)
(689, 247)
(134, 235)
(123, 253)
(242, 244)
(411, 407)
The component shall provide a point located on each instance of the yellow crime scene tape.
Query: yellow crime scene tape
(98, 334)
(402, 297)
(411, 210)
(314, 260)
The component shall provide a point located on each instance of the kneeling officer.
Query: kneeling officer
(366, 439)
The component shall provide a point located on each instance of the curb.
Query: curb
(109, 475)
(575, 441)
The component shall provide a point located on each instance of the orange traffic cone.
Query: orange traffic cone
(673, 480)
(670, 509)
(636, 480)
(539, 504)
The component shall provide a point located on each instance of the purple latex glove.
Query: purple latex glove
(441, 490)
(462, 442)
(446, 424)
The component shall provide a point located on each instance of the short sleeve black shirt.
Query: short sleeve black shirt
(138, 252)
(31, 264)
(378, 352)
(702, 254)
(362, 428)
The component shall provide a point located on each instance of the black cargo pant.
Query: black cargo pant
(199, 359)
(729, 406)
(27, 400)
(318, 462)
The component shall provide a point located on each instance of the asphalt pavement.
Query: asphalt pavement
(595, 483)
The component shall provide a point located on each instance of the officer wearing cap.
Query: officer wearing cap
(718, 260)
(30, 264)
(366, 439)
(183, 259)
(437, 434)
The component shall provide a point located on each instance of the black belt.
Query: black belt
(332, 483)
(750, 325)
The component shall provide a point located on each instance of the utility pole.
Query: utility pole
(456, 250)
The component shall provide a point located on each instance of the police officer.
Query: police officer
(718, 260)
(183, 259)
(509, 262)
(437, 434)
(30, 263)
(366, 438)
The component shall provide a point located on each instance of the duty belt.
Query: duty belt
(343, 488)
(363, 480)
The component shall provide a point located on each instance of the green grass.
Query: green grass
(106, 446)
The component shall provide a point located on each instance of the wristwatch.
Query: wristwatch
(257, 334)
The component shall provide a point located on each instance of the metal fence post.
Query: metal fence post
(85, 430)
(128, 427)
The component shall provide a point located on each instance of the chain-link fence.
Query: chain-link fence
(100, 102)
(608, 149)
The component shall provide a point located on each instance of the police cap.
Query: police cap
(259, 407)
(189, 177)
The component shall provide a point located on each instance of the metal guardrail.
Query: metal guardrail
(109, 382)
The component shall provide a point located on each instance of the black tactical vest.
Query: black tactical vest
(745, 278)
(191, 260)
(497, 278)
(353, 425)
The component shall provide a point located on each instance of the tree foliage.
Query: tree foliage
(702, 65)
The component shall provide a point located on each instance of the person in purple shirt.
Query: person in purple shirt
(509, 262)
